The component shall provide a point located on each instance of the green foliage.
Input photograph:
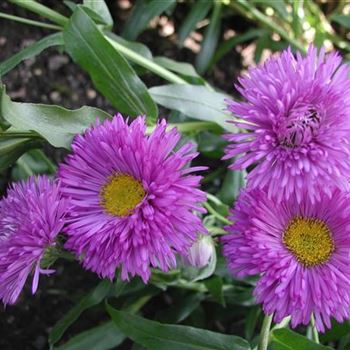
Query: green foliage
(194, 101)
(12, 149)
(198, 11)
(210, 41)
(93, 298)
(30, 52)
(103, 337)
(54, 123)
(157, 336)
(142, 13)
(109, 70)
(285, 339)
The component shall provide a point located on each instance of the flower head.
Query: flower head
(31, 216)
(132, 197)
(300, 250)
(296, 117)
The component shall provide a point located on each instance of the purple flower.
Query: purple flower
(296, 117)
(132, 197)
(300, 250)
(31, 216)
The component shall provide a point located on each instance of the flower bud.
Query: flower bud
(201, 252)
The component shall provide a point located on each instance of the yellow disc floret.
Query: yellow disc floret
(121, 194)
(310, 240)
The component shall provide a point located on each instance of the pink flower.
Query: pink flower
(31, 216)
(296, 116)
(301, 252)
(133, 198)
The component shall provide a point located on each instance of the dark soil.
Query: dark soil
(52, 78)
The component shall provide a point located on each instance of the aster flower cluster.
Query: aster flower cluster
(123, 199)
(291, 225)
(129, 200)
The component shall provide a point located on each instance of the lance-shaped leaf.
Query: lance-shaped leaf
(108, 69)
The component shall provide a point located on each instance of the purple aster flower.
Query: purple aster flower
(296, 117)
(300, 250)
(132, 197)
(31, 216)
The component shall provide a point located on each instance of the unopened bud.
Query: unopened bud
(201, 252)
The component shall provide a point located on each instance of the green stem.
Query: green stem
(314, 330)
(248, 10)
(212, 211)
(29, 21)
(42, 10)
(25, 167)
(183, 284)
(326, 26)
(297, 22)
(14, 134)
(284, 323)
(217, 231)
(41, 155)
(189, 127)
(146, 63)
(56, 17)
(265, 333)
(214, 199)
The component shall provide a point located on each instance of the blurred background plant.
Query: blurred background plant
(172, 59)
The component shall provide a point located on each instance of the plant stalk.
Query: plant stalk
(146, 63)
(265, 332)
(314, 331)
(40, 154)
(29, 21)
(248, 10)
(42, 10)
(212, 211)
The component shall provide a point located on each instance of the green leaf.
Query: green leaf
(198, 11)
(32, 162)
(278, 5)
(210, 41)
(135, 46)
(109, 70)
(337, 331)
(229, 44)
(184, 69)
(90, 300)
(251, 321)
(142, 13)
(56, 124)
(100, 8)
(104, 337)
(70, 4)
(180, 310)
(31, 51)
(211, 145)
(286, 339)
(214, 285)
(194, 101)
(233, 182)
(343, 20)
(12, 149)
(156, 336)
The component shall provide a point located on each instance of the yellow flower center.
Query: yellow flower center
(121, 194)
(309, 240)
